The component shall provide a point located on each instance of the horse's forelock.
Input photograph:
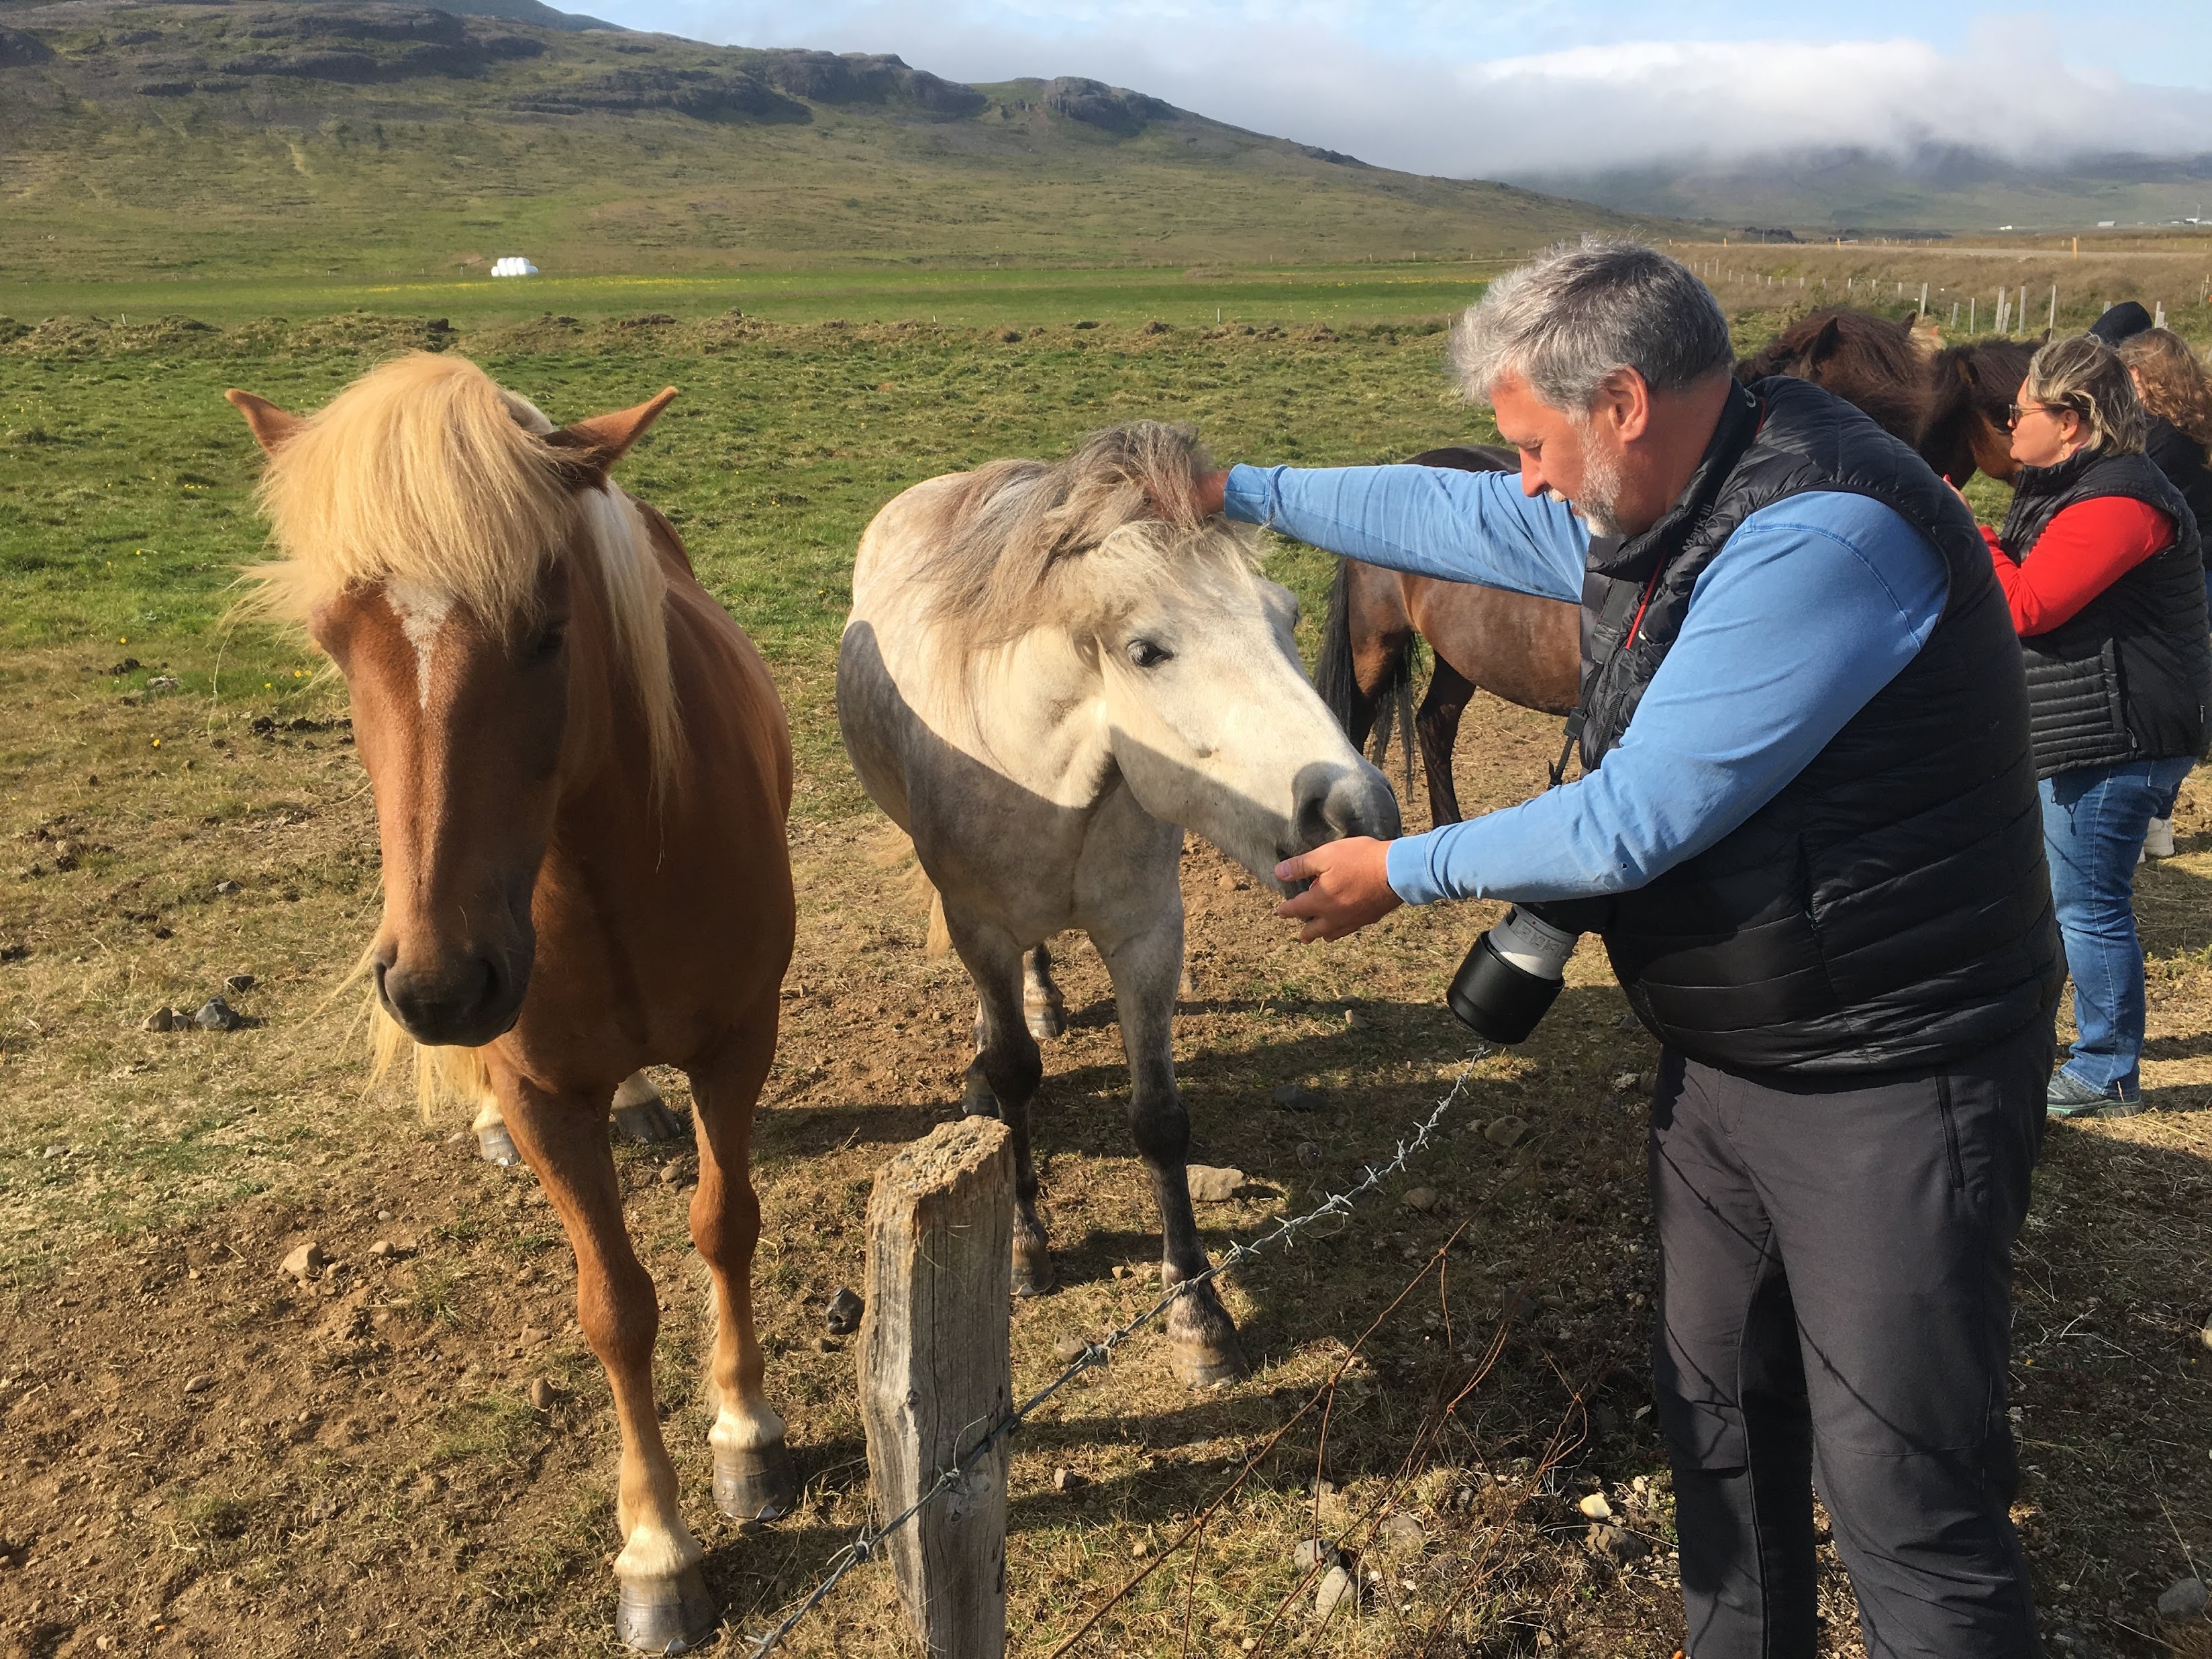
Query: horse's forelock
(1002, 570)
(426, 472)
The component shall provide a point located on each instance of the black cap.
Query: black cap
(2121, 321)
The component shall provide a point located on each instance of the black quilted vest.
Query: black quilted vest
(1890, 907)
(2127, 676)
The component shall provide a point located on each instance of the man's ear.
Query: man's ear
(1623, 402)
(272, 427)
(593, 446)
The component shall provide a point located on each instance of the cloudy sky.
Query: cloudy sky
(1531, 86)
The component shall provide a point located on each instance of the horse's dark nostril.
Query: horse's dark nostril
(467, 1002)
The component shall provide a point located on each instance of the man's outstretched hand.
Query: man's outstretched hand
(1350, 889)
(1211, 490)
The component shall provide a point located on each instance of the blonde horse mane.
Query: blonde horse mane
(1020, 530)
(427, 471)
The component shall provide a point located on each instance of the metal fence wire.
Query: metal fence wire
(868, 1540)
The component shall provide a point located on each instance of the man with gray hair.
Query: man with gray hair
(1807, 830)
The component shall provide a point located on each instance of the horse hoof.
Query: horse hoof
(1199, 1365)
(1033, 1273)
(757, 1484)
(496, 1145)
(665, 1615)
(648, 1120)
(1046, 1021)
(976, 1099)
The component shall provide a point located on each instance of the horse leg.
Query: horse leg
(1003, 1078)
(494, 1144)
(663, 1599)
(1146, 966)
(1043, 1010)
(754, 1479)
(1438, 726)
(640, 1114)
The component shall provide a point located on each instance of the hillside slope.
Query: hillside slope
(364, 139)
(1933, 187)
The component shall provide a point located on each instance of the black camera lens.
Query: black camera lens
(1496, 1000)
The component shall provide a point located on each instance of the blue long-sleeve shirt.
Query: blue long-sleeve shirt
(1812, 607)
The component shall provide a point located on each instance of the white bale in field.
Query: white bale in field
(512, 265)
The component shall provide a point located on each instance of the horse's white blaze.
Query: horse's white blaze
(422, 612)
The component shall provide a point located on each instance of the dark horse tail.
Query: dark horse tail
(1338, 682)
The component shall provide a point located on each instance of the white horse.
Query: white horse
(1049, 672)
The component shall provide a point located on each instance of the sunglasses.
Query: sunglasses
(2015, 412)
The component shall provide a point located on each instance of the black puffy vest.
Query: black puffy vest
(1889, 907)
(2127, 676)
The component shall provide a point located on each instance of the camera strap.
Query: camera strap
(1616, 625)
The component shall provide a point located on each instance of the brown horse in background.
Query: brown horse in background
(581, 773)
(1947, 403)
(1972, 388)
(1515, 646)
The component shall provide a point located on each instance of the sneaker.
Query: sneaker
(2158, 843)
(2069, 1096)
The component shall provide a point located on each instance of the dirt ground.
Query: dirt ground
(201, 1455)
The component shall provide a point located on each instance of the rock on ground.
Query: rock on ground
(1401, 1532)
(2187, 1598)
(1615, 1544)
(1336, 1587)
(217, 1015)
(1210, 1185)
(843, 1316)
(302, 1262)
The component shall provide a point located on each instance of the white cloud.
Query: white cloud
(1407, 86)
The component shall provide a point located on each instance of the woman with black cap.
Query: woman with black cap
(2100, 565)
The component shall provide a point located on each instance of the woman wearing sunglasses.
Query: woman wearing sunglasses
(2099, 562)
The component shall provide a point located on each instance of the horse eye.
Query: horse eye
(1145, 654)
(549, 642)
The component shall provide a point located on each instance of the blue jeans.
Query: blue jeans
(2094, 820)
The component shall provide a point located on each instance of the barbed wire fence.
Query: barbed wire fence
(865, 1543)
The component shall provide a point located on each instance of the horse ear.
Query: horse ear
(594, 446)
(1826, 342)
(272, 427)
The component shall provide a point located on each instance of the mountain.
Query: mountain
(325, 136)
(1947, 187)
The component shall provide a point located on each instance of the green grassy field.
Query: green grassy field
(1192, 295)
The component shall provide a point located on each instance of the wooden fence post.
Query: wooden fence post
(935, 1377)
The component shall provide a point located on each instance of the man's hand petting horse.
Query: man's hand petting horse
(1350, 887)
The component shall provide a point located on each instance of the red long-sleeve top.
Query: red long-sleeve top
(2081, 552)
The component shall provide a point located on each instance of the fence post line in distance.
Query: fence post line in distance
(935, 1377)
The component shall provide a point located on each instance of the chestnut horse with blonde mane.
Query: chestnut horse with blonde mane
(581, 772)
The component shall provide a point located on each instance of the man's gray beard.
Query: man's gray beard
(1598, 499)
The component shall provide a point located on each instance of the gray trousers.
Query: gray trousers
(1834, 1310)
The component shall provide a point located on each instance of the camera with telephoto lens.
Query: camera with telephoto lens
(1512, 975)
